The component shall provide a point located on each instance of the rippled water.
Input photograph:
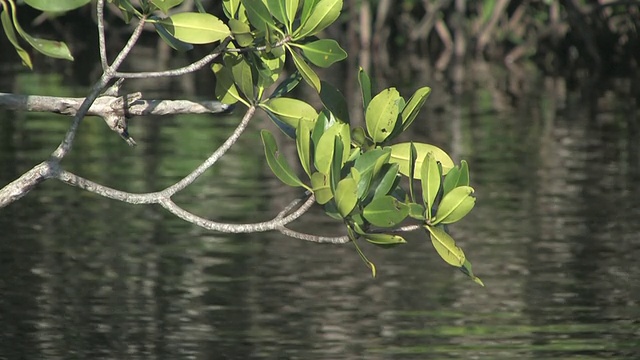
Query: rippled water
(554, 236)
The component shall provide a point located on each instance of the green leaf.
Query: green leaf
(346, 198)
(455, 205)
(231, 8)
(307, 7)
(369, 165)
(170, 40)
(323, 53)
(305, 70)
(277, 10)
(323, 14)
(278, 165)
(382, 114)
(126, 8)
(336, 163)
(226, 91)
(416, 211)
(466, 269)
(258, 14)
(446, 246)
(385, 239)
(450, 181)
(303, 144)
(57, 5)
(334, 101)
(241, 32)
(413, 107)
(413, 153)
(365, 87)
(291, 8)
(321, 187)
(430, 179)
(195, 28)
(163, 5)
(290, 111)
(242, 75)
(325, 147)
(11, 35)
(287, 85)
(385, 211)
(463, 180)
(400, 155)
(388, 180)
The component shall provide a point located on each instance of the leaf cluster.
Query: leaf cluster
(357, 174)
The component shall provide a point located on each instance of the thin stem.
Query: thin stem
(101, 38)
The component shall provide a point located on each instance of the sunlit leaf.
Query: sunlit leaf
(170, 40)
(323, 53)
(466, 269)
(57, 5)
(385, 211)
(325, 147)
(195, 28)
(277, 163)
(385, 240)
(303, 144)
(305, 70)
(334, 101)
(430, 179)
(446, 246)
(307, 7)
(321, 187)
(463, 180)
(323, 14)
(365, 88)
(400, 155)
(382, 114)
(455, 205)
(346, 198)
(11, 35)
(226, 91)
(412, 108)
(290, 111)
(451, 179)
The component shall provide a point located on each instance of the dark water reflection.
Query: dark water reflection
(554, 237)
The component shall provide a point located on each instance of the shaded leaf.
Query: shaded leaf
(242, 75)
(258, 14)
(412, 167)
(291, 8)
(277, 10)
(334, 101)
(416, 211)
(385, 239)
(303, 144)
(287, 85)
(369, 165)
(230, 8)
(277, 163)
(466, 269)
(385, 211)
(365, 87)
(400, 155)
(241, 32)
(430, 179)
(11, 35)
(162, 5)
(451, 179)
(170, 40)
(446, 246)
(388, 181)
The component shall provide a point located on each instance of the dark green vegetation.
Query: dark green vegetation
(355, 173)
